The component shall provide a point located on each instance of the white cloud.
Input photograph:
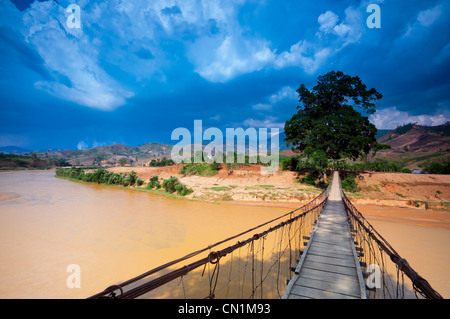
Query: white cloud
(303, 54)
(285, 93)
(391, 118)
(327, 21)
(427, 17)
(229, 53)
(268, 122)
(73, 58)
(82, 145)
(216, 117)
(234, 56)
(348, 31)
(262, 107)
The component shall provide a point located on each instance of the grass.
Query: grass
(258, 186)
(219, 188)
(158, 192)
(200, 169)
(401, 195)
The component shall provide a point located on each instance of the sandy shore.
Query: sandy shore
(248, 185)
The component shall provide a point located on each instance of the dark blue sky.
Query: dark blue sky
(136, 70)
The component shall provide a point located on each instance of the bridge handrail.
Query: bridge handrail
(420, 285)
(318, 201)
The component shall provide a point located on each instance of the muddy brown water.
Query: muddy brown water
(113, 234)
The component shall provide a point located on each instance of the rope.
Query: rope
(321, 198)
(419, 284)
(212, 258)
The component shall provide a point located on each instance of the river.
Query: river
(113, 234)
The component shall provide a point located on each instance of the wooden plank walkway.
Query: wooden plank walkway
(329, 266)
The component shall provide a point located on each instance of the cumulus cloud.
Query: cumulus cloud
(262, 107)
(304, 54)
(234, 56)
(81, 145)
(72, 56)
(220, 59)
(285, 93)
(327, 21)
(425, 18)
(268, 122)
(390, 118)
(348, 31)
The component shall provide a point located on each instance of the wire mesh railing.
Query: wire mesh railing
(383, 268)
(256, 267)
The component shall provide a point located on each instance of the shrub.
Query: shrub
(172, 185)
(310, 178)
(160, 163)
(437, 168)
(154, 182)
(139, 182)
(169, 184)
(349, 183)
(201, 169)
(131, 178)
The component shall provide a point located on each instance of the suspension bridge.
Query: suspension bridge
(325, 249)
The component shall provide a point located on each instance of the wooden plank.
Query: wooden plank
(294, 296)
(291, 283)
(341, 287)
(333, 227)
(332, 246)
(324, 251)
(330, 242)
(334, 232)
(331, 260)
(330, 268)
(330, 253)
(327, 276)
(317, 293)
(332, 236)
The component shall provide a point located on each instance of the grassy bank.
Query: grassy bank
(168, 187)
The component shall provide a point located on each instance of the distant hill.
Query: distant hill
(414, 145)
(13, 150)
(382, 133)
(411, 145)
(417, 138)
(111, 154)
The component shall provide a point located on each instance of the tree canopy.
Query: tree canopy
(327, 121)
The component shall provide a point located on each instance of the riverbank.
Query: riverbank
(246, 184)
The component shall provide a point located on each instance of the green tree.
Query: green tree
(327, 121)
(122, 162)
